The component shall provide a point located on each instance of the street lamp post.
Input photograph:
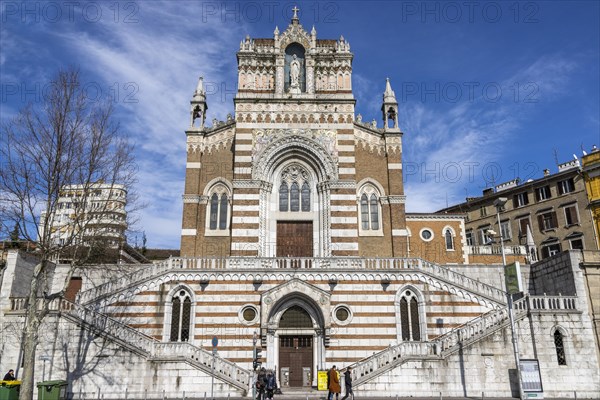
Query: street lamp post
(254, 340)
(499, 204)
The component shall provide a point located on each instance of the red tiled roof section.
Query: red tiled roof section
(264, 42)
(326, 42)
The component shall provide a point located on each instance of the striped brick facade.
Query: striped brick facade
(316, 127)
(373, 325)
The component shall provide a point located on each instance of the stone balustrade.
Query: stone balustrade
(497, 250)
(145, 345)
(440, 347)
(362, 371)
(541, 303)
(432, 271)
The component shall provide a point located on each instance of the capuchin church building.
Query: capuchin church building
(297, 253)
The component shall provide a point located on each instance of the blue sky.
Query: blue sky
(488, 91)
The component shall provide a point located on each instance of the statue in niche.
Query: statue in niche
(295, 73)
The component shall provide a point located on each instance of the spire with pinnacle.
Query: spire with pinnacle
(389, 96)
(389, 108)
(198, 104)
(200, 93)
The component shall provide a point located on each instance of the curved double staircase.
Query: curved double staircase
(84, 311)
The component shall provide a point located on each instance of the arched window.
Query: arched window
(283, 197)
(449, 240)
(374, 209)
(218, 213)
(409, 316)
(181, 313)
(305, 197)
(364, 212)
(297, 198)
(559, 344)
(370, 211)
(295, 317)
(214, 211)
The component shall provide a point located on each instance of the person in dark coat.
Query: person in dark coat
(271, 385)
(261, 384)
(333, 379)
(348, 383)
(10, 376)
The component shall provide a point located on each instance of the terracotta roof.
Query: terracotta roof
(264, 42)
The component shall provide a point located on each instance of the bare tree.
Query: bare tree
(65, 141)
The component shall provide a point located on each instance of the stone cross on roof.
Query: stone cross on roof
(295, 10)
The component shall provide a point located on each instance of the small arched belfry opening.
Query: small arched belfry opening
(295, 68)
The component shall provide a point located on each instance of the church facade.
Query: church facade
(295, 241)
(294, 173)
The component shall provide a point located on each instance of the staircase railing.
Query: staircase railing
(145, 345)
(332, 264)
(450, 342)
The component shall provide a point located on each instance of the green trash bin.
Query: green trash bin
(52, 390)
(9, 390)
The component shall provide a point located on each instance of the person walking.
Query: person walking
(271, 385)
(348, 383)
(333, 382)
(261, 384)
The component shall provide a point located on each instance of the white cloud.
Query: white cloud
(164, 66)
(450, 152)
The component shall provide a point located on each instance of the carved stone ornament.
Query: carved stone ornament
(262, 138)
(294, 34)
(393, 144)
(369, 141)
(269, 144)
(216, 141)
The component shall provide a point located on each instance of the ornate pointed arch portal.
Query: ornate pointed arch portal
(313, 152)
(295, 323)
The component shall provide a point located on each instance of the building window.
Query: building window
(295, 198)
(426, 234)
(217, 210)
(283, 197)
(470, 238)
(449, 240)
(482, 211)
(305, 197)
(566, 186)
(576, 244)
(409, 317)
(560, 348)
(524, 223)
(571, 216)
(483, 237)
(520, 200)
(505, 230)
(370, 211)
(550, 250)
(181, 316)
(547, 221)
(219, 205)
(294, 191)
(248, 314)
(543, 193)
(342, 315)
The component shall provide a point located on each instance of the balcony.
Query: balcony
(497, 250)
